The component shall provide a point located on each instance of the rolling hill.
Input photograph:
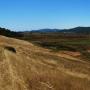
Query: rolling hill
(77, 30)
(25, 66)
(9, 33)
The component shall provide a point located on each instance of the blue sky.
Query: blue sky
(36, 14)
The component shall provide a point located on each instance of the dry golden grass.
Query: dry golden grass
(36, 68)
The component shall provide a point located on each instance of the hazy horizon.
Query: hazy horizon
(22, 15)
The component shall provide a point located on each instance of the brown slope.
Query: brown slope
(35, 68)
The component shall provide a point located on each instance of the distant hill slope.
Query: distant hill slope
(8, 33)
(46, 30)
(34, 68)
(82, 30)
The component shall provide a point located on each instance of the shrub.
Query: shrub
(10, 49)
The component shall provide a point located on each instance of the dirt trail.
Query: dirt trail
(14, 78)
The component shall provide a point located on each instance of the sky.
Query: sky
(21, 15)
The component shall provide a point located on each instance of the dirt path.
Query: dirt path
(14, 78)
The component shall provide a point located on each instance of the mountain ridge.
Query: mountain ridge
(76, 30)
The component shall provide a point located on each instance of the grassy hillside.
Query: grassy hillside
(24, 66)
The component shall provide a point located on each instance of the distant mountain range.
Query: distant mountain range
(82, 30)
(46, 30)
(77, 30)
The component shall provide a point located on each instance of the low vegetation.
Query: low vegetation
(12, 49)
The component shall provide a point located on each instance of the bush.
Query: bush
(10, 49)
